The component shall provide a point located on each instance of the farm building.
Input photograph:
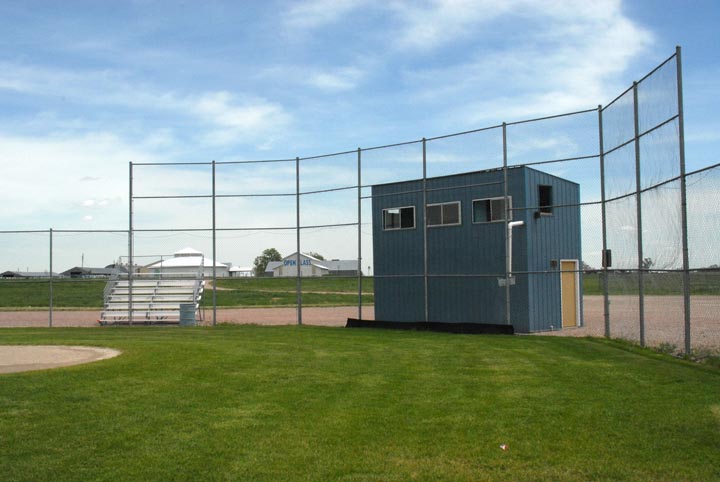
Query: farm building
(188, 261)
(83, 272)
(311, 266)
(241, 272)
(26, 274)
(464, 238)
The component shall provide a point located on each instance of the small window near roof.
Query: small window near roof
(490, 210)
(545, 199)
(399, 218)
(445, 214)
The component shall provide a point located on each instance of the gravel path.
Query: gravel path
(663, 314)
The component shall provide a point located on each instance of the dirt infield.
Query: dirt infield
(664, 318)
(22, 358)
(330, 316)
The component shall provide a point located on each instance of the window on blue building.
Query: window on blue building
(545, 199)
(490, 210)
(399, 218)
(444, 214)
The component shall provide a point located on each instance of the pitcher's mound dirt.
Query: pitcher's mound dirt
(21, 358)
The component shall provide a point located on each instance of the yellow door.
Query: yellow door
(569, 292)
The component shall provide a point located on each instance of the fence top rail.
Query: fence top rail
(397, 144)
(698, 171)
(660, 66)
(550, 117)
(62, 231)
(639, 81)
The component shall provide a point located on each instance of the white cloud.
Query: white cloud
(324, 79)
(55, 169)
(572, 58)
(238, 120)
(316, 13)
(429, 24)
(223, 117)
(337, 79)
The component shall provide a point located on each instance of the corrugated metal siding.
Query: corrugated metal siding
(550, 238)
(466, 300)
(468, 248)
(399, 299)
(472, 249)
(398, 252)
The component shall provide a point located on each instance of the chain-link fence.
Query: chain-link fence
(584, 223)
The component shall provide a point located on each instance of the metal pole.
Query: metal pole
(683, 203)
(359, 232)
(214, 249)
(50, 314)
(507, 221)
(638, 188)
(130, 248)
(425, 232)
(605, 275)
(297, 234)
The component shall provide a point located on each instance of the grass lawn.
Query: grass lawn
(311, 403)
(325, 291)
(656, 283)
(71, 293)
(66, 293)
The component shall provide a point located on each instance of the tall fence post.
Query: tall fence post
(603, 215)
(639, 236)
(426, 289)
(683, 204)
(130, 247)
(507, 221)
(50, 313)
(298, 285)
(359, 232)
(214, 248)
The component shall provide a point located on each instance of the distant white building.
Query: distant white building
(241, 272)
(189, 260)
(311, 266)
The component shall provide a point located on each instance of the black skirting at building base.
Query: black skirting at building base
(469, 328)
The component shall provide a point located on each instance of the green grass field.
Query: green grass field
(314, 404)
(326, 291)
(656, 284)
(66, 293)
(262, 292)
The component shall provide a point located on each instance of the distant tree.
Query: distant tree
(315, 255)
(587, 267)
(261, 262)
(647, 263)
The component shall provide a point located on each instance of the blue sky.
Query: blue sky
(87, 87)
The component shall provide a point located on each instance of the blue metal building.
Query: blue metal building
(453, 268)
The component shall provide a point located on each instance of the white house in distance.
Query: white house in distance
(241, 272)
(188, 261)
(310, 266)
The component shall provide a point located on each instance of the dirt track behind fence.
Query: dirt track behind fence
(664, 318)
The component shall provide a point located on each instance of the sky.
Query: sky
(88, 87)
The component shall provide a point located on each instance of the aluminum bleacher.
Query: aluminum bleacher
(151, 298)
